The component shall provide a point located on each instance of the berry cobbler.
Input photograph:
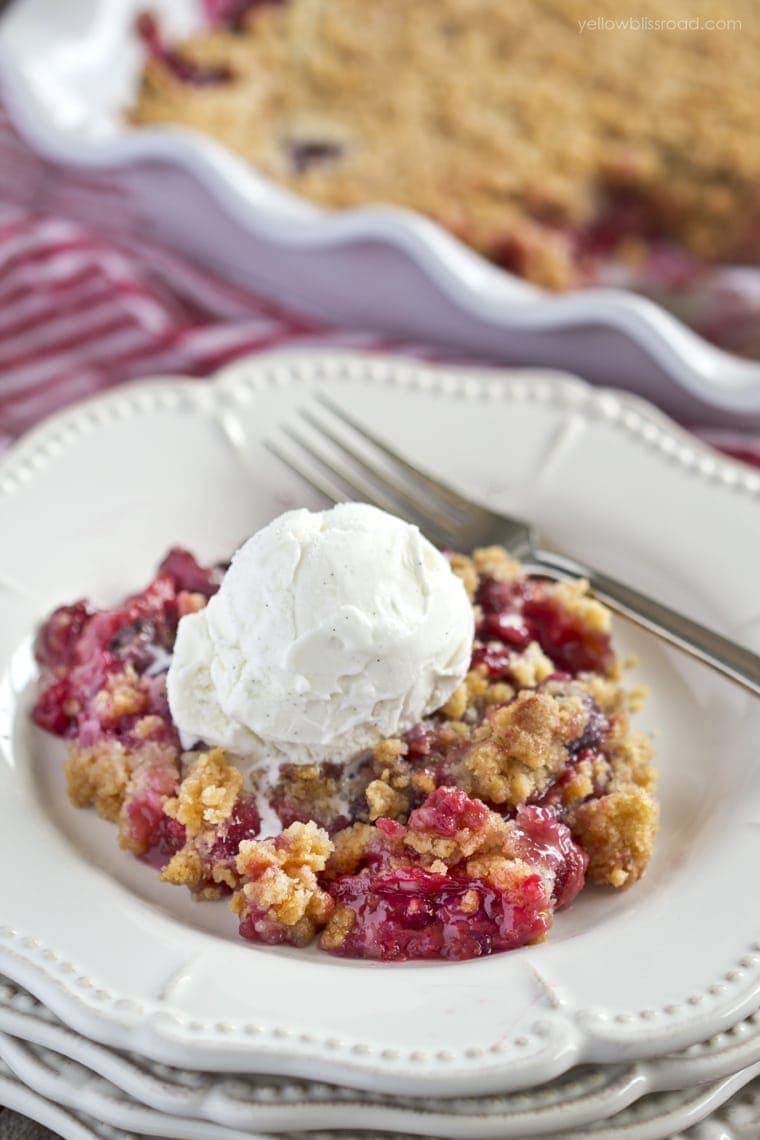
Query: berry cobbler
(356, 739)
(546, 136)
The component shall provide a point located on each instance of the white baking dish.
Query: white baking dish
(67, 71)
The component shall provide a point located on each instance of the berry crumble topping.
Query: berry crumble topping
(458, 838)
(525, 129)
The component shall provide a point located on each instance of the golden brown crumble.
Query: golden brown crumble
(618, 833)
(608, 693)
(469, 902)
(475, 694)
(339, 926)
(311, 790)
(190, 603)
(207, 794)
(456, 706)
(520, 747)
(101, 775)
(543, 739)
(185, 869)
(385, 800)
(582, 781)
(388, 752)
(423, 782)
(98, 776)
(530, 667)
(147, 726)
(390, 793)
(280, 878)
(501, 870)
(464, 568)
(494, 562)
(349, 848)
(630, 757)
(542, 124)
(573, 596)
(189, 868)
(122, 695)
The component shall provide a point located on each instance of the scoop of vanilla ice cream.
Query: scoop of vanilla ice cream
(330, 631)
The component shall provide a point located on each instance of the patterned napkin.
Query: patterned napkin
(80, 313)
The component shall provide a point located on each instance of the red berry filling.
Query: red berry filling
(447, 811)
(415, 913)
(550, 843)
(186, 70)
(572, 647)
(499, 893)
(81, 651)
(143, 810)
(59, 635)
(244, 823)
(232, 13)
(479, 804)
(516, 613)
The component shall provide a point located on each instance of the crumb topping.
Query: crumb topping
(279, 879)
(350, 846)
(573, 596)
(98, 775)
(385, 800)
(617, 832)
(547, 136)
(464, 568)
(307, 791)
(520, 746)
(459, 838)
(207, 794)
(122, 695)
(494, 562)
(530, 667)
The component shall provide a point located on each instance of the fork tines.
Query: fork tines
(343, 460)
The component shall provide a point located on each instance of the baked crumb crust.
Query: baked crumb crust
(280, 891)
(521, 746)
(445, 800)
(207, 794)
(618, 833)
(545, 131)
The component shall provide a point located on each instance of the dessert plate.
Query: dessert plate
(83, 1098)
(69, 71)
(92, 498)
(581, 1097)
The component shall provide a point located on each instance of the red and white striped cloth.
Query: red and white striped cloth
(80, 313)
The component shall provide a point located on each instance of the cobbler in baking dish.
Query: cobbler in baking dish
(543, 138)
(513, 779)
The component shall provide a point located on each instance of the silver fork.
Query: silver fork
(355, 463)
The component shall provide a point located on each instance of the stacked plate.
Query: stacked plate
(127, 1011)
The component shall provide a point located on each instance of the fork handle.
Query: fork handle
(720, 653)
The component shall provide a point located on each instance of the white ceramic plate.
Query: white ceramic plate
(82, 1098)
(89, 502)
(581, 1097)
(68, 72)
